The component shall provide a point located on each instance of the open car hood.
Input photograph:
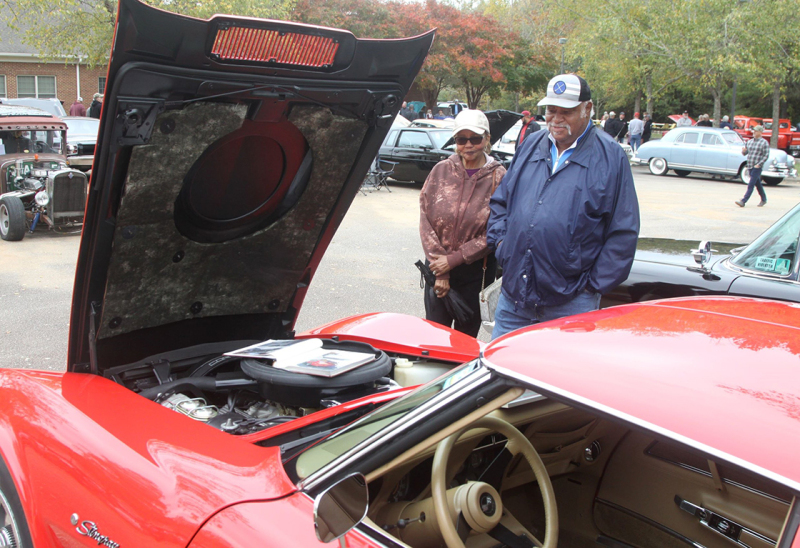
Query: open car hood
(229, 151)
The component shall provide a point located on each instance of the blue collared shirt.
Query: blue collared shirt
(558, 160)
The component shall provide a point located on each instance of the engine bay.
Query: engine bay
(241, 395)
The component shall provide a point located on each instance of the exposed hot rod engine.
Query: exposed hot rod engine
(41, 191)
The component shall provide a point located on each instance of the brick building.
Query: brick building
(24, 74)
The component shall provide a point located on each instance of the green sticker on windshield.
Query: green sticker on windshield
(781, 266)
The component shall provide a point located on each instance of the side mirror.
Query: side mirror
(703, 253)
(341, 507)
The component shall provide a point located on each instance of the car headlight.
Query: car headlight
(42, 198)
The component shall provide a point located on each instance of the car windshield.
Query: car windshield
(87, 126)
(732, 138)
(441, 137)
(775, 251)
(31, 141)
(349, 437)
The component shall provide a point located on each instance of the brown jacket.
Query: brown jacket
(454, 210)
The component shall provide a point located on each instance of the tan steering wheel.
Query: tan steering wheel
(479, 503)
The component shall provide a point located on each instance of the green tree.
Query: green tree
(772, 57)
(642, 52)
(83, 29)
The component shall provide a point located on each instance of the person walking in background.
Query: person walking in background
(603, 120)
(725, 123)
(648, 128)
(97, 104)
(529, 125)
(565, 218)
(636, 128)
(454, 210)
(757, 152)
(684, 120)
(77, 108)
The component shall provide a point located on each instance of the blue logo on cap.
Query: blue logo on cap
(559, 87)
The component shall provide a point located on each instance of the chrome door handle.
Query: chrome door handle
(719, 523)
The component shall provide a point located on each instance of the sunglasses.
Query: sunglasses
(474, 140)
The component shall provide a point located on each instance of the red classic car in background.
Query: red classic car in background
(788, 139)
(229, 151)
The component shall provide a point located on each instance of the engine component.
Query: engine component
(195, 408)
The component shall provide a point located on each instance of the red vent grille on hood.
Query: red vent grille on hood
(288, 48)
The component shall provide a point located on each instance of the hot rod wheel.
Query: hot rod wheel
(13, 526)
(12, 220)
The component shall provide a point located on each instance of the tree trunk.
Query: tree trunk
(637, 104)
(649, 92)
(716, 93)
(431, 97)
(776, 113)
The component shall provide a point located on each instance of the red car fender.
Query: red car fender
(402, 334)
(143, 474)
(281, 523)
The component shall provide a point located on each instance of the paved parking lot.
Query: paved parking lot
(370, 264)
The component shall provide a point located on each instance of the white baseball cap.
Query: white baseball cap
(472, 120)
(566, 91)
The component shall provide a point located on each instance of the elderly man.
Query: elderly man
(757, 152)
(565, 218)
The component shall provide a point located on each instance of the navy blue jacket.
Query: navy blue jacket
(557, 235)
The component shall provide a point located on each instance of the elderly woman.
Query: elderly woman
(454, 210)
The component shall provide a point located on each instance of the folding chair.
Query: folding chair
(377, 176)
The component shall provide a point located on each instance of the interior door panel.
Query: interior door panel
(650, 489)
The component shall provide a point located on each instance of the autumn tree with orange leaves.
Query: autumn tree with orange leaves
(472, 51)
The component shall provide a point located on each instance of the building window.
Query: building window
(3, 86)
(101, 84)
(38, 87)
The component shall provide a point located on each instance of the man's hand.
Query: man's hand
(442, 288)
(439, 265)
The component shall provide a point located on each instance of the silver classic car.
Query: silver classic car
(709, 150)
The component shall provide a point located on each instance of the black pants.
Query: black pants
(466, 281)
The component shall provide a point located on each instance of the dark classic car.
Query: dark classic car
(36, 184)
(612, 428)
(413, 151)
(769, 267)
(709, 150)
